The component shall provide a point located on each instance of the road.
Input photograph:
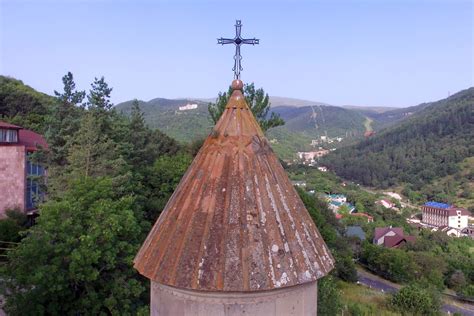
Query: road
(377, 283)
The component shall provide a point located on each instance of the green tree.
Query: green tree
(93, 153)
(11, 226)
(329, 296)
(457, 280)
(416, 300)
(63, 120)
(259, 104)
(77, 259)
(99, 96)
(163, 178)
(138, 136)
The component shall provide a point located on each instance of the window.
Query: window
(34, 193)
(8, 136)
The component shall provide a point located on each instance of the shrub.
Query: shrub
(416, 300)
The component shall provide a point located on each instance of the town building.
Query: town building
(235, 238)
(341, 198)
(311, 156)
(441, 214)
(450, 231)
(19, 177)
(468, 231)
(336, 201)
(391, 237)
(189, 106)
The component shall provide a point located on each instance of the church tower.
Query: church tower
(235, 238)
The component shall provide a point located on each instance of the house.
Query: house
(468, 231)
(441, 214)
(451, 231)
(322, 169)
(355, 231)
(385, 203)
(391, 237)
(336, 201)
(19, 183)
(334, 206)
(341, 198)
(370, 219)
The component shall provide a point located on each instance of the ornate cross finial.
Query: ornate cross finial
(237, 41)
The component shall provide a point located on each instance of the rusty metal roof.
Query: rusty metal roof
(235, 223)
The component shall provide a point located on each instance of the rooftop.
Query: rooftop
(235, 222)
(437, 204)
(8, 125)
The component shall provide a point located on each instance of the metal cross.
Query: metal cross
(237, 41)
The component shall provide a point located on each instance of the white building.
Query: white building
(441, 214)
(189, 106)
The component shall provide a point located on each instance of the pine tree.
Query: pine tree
(139, 136)
(63, 120)
(94, 153)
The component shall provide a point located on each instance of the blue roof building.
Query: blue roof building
(437, 204)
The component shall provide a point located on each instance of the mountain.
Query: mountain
(165, 114)
(274, 101)
(318, 120)
(283, 101)
(369, 109)
(426, 146)
(303, 123)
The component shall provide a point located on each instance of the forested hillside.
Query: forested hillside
(301, 123)
(320, 120)
(164, 114)
(23, 105)
(427, 146)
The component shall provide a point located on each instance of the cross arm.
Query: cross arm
(225, 41)
(252, 41)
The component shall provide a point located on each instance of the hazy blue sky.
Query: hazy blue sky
(391, 53)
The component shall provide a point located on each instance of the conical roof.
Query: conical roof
(235, 223)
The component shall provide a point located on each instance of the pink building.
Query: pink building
(19, 186)
(441, 214)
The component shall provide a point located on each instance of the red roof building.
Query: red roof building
(19, 189)
(235, 234)
(391, 237)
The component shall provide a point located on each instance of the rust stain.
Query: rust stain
(235, 223)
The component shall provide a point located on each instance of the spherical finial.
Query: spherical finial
(237, 84)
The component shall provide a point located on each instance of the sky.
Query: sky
(369, 53)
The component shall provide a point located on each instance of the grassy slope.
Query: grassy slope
(364, 300)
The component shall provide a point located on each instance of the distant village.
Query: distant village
(435, 216)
